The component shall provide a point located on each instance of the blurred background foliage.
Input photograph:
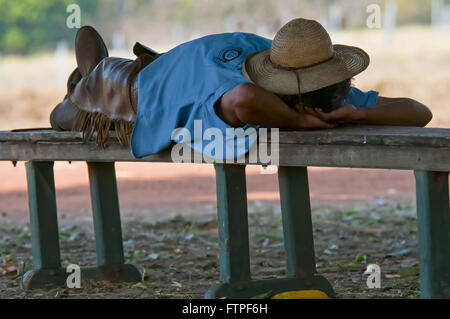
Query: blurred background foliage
(409, 48)
(27, 25)
(36, 25)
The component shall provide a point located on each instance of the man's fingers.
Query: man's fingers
(335, 116)
(315, 119)
(315, 122)
(315, 113)
(324, 116)
(309, 110)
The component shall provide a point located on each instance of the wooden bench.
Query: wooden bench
(424, 150)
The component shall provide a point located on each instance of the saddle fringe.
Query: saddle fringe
(91, 122)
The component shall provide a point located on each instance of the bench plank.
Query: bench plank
(371, 135)
(350, 135)
(387, 157)
(358, 146)
(345, 135)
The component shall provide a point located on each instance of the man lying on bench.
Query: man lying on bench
(298, 81)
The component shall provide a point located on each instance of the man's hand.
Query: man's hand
(310, 121)
(345, 114)
(388, 111)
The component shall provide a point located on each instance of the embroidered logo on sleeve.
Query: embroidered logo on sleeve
(229, 54)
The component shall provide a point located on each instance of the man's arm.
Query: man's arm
(395, 111)
(250, 104)
(388, 111)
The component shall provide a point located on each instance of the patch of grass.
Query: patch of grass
(409, 271)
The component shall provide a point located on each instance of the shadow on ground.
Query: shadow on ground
(178, 256)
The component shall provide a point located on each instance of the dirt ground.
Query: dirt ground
(360, 217)
(156, 190)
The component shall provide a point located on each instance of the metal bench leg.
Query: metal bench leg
(297, 224)
(234, 257)
(298, 232)
(433, 216)
(47, 269)
(107, 227)
(234, 244)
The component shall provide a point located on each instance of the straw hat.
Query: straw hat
(303, 56)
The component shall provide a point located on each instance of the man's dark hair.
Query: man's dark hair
(328, 98)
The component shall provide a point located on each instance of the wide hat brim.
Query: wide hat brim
(346, 62)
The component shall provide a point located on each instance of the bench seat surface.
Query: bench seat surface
(348, 146)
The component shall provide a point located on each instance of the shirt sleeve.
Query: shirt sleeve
(361, 99)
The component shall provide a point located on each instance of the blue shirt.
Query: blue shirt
(361, 99)
(181, 87)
